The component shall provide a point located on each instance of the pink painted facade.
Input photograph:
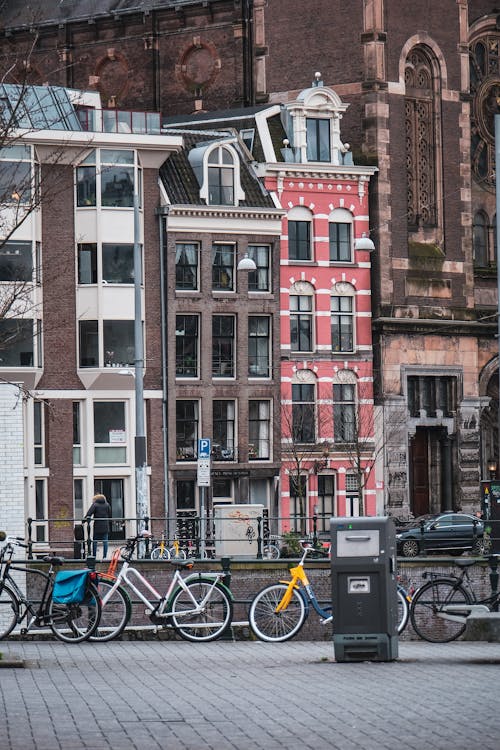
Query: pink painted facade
(326, 339)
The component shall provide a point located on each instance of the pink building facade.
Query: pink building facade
(327, 408)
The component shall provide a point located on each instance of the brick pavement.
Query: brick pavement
(224, 695)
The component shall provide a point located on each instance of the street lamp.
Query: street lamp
(246, 264)
(364, 243)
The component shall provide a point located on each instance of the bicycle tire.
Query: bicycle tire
(181, 555)
(115, 614)
(403, 610)
(74, 623)
(209, 624)
(424, 610)
(157, 554)
(276, 627)
(9, 611)
(271, 552)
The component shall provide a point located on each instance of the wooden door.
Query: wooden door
(419, 473)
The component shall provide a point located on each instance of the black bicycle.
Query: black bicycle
(440, 607)
(70, 622)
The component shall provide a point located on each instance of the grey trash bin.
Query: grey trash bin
(364, 589)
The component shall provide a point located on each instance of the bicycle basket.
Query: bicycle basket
(70, 586)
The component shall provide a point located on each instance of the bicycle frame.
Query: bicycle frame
(460, 612)
(157, 606)
(301, 582)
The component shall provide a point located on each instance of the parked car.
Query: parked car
(443, 532)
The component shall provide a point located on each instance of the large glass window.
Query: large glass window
(186, 346)
(259, 430)
(41, 515)
(299, 240)
(87, 263)
(186, 430)
(221, 177)
(318, 139)
(326, 501)
(223, 431)
(38, 433)
(110, 435)
(16, 261)
(344, 412)
(186, 266)
(260, 279)
(303, 413)
(431, 394)
(108, 173)
(301, 322)
(117, 344)
(223, 268)
(259, 346)
(16, 342)
(342, 324)
(223, 346)
(112, 489)
(77, 433)
(298, 501)
(16, 174)
(118, 264)
(340, 242)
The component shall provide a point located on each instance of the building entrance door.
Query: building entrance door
(419, 473)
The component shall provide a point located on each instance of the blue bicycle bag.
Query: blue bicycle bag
(70, 586)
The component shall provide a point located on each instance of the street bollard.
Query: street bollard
(493, 563)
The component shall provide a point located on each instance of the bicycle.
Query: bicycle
(163, 552)
(198, 607)
(71, 623)
(440, 607)
(278, 612)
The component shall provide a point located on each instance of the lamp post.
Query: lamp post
(497, 196)
(141, 504)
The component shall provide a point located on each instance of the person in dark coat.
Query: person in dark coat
(100, 511)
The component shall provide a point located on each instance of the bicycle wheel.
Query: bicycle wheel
(272, 626)
(428, 617)
(9, 611)
(403, 610)
(271, 552)
(211, 620)
(181, 555)
(116, 612)
(157, 554)
(74, 623)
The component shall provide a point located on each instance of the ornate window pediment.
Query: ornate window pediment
(217, 169)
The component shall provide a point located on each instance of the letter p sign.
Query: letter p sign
(204, 448)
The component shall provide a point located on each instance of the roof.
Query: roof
(16, 14)
(180, 181)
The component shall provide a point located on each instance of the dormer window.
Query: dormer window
(221, 177)
(217, 169)
(318, 139)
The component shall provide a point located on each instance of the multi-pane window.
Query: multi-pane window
(78, 509)
(40, 520)
(431, 394)
(185, 493)
(221, 175)
(298, 501)
(117, 343)
(344, 412)
(16, 174)
(16, 261)
(38, 432)
(259, 430)
(223, 346)
(223, 431)
(186, 430)
(17, 342)
(117, 263)
(186, 266)
(340, 242)
(223, 268)
(351, 495)
(318, 139)
(326, 500)
(342, 324)
(260, 279)
(259, 346)
(301, 322)
(299, 240)
(303, 413)
(112, 489)
(110, 435)
(77, 433)
(186, 346)
(107, 175)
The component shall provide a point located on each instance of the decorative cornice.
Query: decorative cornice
(315, 172)
(224, 212)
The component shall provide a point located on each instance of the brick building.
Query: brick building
(421, 82)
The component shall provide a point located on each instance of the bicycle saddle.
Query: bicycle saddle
(54, 560)
(180, 563)
(464, 563)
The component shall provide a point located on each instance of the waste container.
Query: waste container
(364, 589)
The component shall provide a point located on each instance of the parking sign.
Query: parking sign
(204, 448)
